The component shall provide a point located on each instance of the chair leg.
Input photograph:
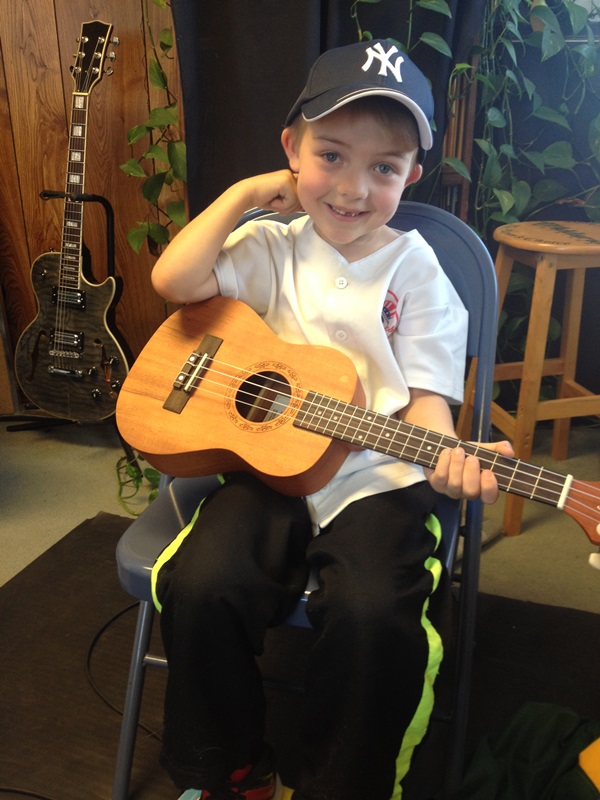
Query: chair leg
(469, 589)
(133, 699)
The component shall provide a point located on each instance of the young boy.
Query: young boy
(338, 276)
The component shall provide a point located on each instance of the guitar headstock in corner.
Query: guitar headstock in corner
(91, 55)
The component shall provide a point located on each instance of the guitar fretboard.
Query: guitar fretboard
(355, 425)
(70, 261)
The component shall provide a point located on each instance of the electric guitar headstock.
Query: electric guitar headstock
(92, 55)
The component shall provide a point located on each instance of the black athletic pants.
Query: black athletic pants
(241, 570)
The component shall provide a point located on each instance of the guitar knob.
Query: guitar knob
(92, 371)
(115, 385)
(96, 394)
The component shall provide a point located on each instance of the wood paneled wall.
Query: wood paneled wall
(37, 43)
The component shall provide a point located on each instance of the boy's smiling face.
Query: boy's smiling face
(351, 170)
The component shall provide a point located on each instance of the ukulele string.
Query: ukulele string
(503, 467)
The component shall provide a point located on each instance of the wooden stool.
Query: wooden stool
(546, 247)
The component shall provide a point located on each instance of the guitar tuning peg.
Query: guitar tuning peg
(115, 41)
(111, 56)
(109, 71)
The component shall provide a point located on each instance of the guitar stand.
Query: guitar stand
(110, 220)
(35, 421)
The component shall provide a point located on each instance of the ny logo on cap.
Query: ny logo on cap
(386, 66)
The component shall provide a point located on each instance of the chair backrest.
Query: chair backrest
(467, 262)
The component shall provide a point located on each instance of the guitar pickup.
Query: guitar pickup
(74, 298)
(66, 344)
(190, 375)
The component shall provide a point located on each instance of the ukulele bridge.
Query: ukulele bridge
(191, 373)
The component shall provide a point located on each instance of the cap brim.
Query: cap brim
(328, 102)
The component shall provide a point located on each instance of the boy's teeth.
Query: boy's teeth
(346, 213)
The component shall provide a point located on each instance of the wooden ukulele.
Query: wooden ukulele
(67, 361)
(202, 397)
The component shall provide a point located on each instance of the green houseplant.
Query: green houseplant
(162, 165)
(537, 62)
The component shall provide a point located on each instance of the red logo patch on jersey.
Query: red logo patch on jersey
(389, 313)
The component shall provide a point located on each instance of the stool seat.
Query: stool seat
(547, 247)
(561, 238)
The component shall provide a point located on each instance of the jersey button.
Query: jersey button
(341, 335)
(341, 282)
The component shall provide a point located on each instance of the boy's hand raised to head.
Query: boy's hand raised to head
(275, 191)
(184, 271)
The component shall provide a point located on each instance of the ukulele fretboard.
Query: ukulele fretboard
(383, 434)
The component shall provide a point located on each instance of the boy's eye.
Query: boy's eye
(331, 158)
(384, 169)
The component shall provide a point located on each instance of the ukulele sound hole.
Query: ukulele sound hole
(262, 397)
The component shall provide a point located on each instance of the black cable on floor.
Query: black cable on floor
(24, 793)
(88, 669)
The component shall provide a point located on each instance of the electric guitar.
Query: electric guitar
(203, 397)
(68, 362)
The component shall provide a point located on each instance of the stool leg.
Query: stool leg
(535, 350)
(569, 348)
(464, 423)
(503, 266)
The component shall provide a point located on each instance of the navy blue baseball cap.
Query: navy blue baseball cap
(375, 67)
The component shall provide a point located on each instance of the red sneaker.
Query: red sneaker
(259, 782)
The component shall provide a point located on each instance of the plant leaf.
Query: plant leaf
(137, 236)
(435, 40)
(492, 173)
(158, 153)
(176, 212)
(163, 117)
(458, 166)
(521, 191)
(136, 133)
(536, 158)
(578, 16)
(550, 115)
(178, 159)
(152, 187)
(505, 199)
(158, 233)
(559, 154)
(166, 40)
(510, 49)
(487, 147)
(496, 118)
(132, 167)
(594, 137)
(547, 190)
(436, 5)
(157, 76)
